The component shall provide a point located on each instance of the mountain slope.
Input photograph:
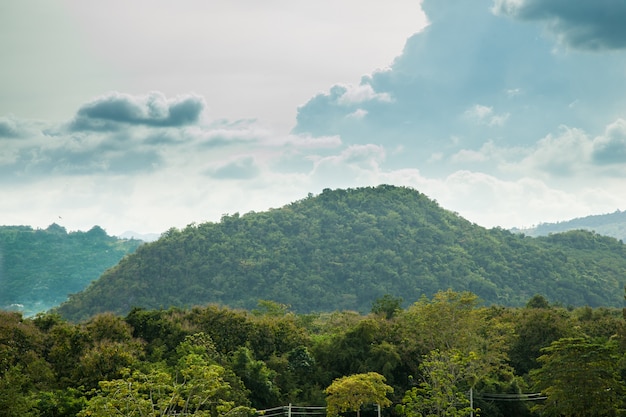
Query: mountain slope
(39, 268)
(343, 249)
(612, 224)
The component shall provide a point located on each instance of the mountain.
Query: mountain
(343, 249)
(40, 268)
(612, 224)
(146, 237)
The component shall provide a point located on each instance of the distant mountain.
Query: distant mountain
(613, 224)
(40, 268)
(146, 237)
(343, 249)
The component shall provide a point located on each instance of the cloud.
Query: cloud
(564, 155)
(474, 77)
(9, 127)
(610, 148)
(241, 168)
(137, 136)
(485, 115)
(582, 24)
(356, 164)
(12, 127)
(358, 114)
(571, 154)
(110, 111)
(359, 94)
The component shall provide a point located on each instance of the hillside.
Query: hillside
(343, 249)
(612, 224)
(39, 268)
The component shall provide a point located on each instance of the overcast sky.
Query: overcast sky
(152, 114)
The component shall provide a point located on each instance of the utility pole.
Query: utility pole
(472, 401)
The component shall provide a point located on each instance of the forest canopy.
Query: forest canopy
(215, 361)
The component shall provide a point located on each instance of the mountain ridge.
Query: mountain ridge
(39, 268)
(609, 224)
(342, 249)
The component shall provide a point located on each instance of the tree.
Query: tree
(198, 389)
(580, 378)
(534, 329)
(350, 393)
(447, 376)
(453, 321)
(257, 377)
(387, 305)
(14, 398)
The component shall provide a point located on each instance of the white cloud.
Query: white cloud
(358, 114)
(239, 55)
(485, 115)
(610, 148)
(361, 93)
(564, 155)
(462, 114)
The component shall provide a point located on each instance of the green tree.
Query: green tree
(387, 305)
(14, 394)
(447, 378)
(534, 329)
(350, 393)
(257, 377)
(580, 378)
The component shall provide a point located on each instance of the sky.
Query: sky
(146, 115)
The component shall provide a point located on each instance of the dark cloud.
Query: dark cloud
(78, 156)
(10, 127)
(109, 112)
(581, 24)
(239, 169)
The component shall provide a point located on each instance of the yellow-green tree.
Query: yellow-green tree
(199, 389)
(350, 393)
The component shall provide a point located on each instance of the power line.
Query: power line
(537, 396)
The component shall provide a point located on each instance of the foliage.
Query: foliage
(40, 268)
(580, 378)
(211, 360)
(344, 249)
(198, 390)
(257, 378)
(388, 305)
(447, 378)
(352, 392)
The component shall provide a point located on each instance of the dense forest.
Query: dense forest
(342, 249)
(40, 268)
(423, 360)
(611, 224)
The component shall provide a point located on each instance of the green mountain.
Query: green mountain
(343, 249)
(612, 224)
(40, 268)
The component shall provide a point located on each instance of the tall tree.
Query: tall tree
(447, 376)
(580, 378)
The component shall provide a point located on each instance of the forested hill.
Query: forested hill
(612, 224)
(40, 268)
(343, 249)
